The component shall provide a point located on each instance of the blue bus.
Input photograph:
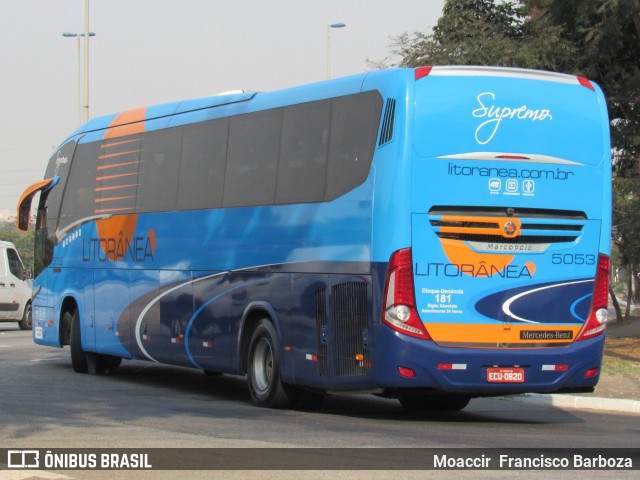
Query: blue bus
(431, 234)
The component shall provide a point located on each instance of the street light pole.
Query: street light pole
(329, 27)
(74, 35)
(85, 109)
(78, 36)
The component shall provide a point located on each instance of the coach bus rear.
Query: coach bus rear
(504, 286)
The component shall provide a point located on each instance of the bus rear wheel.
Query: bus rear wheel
(263, 368)
(444, 403)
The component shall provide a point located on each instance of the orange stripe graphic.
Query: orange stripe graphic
(496, 334)
(115, 144)
(110, 177)
(127, 123)
(116, 165)
(492, 225)
(111, 210)
(113, 199)
(117, 187)
(120, 154)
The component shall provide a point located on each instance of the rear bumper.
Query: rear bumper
(469, 375)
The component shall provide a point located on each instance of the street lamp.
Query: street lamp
(86, 36)
(329, 27)
(78, 36)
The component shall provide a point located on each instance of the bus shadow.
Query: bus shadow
(165, 386)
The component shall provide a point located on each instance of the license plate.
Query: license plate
(505, 375)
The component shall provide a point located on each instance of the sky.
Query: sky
(154, 51)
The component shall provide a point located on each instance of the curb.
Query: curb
(574, 401)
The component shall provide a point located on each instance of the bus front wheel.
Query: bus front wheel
(263, 368)
(86, 362)
(78, 355)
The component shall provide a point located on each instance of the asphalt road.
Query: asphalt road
(44, 404)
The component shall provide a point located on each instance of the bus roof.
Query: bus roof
(258, 100)
(482, 71)
(172, 108)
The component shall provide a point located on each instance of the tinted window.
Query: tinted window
(158, 172)
(302, 167)
(59, 165)
(252, 159)
(80, 192)
(15, 265)
(309, 152)
(354, 127)
(117, 175)
(202, 167)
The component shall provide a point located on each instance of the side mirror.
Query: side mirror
(24, 205)
(24, 209)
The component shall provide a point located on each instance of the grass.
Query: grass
(622, 357)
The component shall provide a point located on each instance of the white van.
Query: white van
(15, 289)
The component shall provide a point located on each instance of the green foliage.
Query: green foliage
(606, 38)
(484, 32)
(626, 222)
(626, 202)
(23, 242)
(475, 32)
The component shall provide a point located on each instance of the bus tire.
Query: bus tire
(110, 363)
(98, 363)
(263, 368)
(25, 323)
(78, 355)
(444, 403)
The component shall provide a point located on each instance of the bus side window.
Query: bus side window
(252, 159)
(79, 195)
(59, 165)
(158, 172)
(202, 165)
(116, 174)
(302, 168)
(354, 127)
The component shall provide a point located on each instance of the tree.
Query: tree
(606, 39)
(483, 32)
(626, 221)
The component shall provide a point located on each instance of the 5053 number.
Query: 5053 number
(573, 259)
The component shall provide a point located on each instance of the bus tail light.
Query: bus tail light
(399, 298)
(406, 372)
(421, 72)
(592, 372)
(586, 83)
(597, 321)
